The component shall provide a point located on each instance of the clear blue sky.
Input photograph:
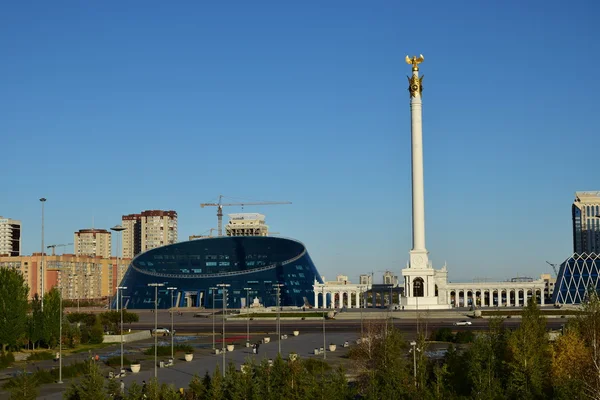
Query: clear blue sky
(109, 108)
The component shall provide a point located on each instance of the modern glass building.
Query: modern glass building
(578, 275)
(258, 263)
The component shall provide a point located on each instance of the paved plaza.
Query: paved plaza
(182, 372)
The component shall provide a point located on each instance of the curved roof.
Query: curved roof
(216, 257)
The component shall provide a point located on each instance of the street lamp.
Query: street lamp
(156, 286)
(414, 351)
(121, 288)
(212, 290)
(324, 306)
(118, 228)
(60, 338)
(43, 201)
(278, 286)
(247, 289)
(224, 287)
(172, 289)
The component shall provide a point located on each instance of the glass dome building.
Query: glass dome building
(197, 267)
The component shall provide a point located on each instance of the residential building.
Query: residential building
(246, 224)
(92, 242)
(148, 230)
(549, 283)
(10, 237)
(132, 235)
(81, 277)
(586, 222)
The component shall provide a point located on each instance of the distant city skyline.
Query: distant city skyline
(110, 109)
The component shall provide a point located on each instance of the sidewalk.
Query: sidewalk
(182, 372)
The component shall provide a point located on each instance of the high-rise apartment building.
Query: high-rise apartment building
(10, 237)
(93, 242)
(132, 235)
(586, 222)
(148, 230)
(81, 277)
(246, 224)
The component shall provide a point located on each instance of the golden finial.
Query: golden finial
(415, 61)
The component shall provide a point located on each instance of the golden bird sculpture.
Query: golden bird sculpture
(415, 61)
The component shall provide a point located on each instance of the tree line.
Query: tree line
(26, 325)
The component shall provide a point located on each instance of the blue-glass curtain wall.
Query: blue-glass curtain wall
(196, 266)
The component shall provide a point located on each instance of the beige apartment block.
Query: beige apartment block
(93, 242)
(10, 237)
(247, 224)
(148, 230)
(81, 277)
(132, 239)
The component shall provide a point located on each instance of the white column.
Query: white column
(542, 300)
(316, 303)
(418, 192)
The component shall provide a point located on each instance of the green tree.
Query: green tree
(134, 392)
(52, 317)
(197, 387)
(24, 387)
(36, 322)
(381, 362)
(215, 390)
(89, 387)
(13, 307)
(529, 356)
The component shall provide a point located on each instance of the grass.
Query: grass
(45, 376)
(519, 312)
(88, 347)
(282, 315)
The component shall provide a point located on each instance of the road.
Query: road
(189, 324)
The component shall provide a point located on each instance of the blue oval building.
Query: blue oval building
(255, 262)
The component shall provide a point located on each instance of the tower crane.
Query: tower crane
(220, 206)
(54, 246)
(553, 267)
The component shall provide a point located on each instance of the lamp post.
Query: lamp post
(60, 338)
(414, 350)
(121, 288)
(212, 290)
(156, 286)
(224, 287)
(172, 289)
(247, 289)
(278, 286)
(324, 306)
(120, 229)
(42, 271)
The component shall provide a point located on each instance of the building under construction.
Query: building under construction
(246, 224)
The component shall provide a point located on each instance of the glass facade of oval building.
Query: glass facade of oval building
(194, 267)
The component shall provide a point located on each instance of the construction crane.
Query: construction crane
(193, 237)
(220, 206)
(54, 246)
(553, 267)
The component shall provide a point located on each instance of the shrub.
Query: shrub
(443, 335)
(116, 361)
(166, 350)
(96, 334)
(465, 337)
(41, 355)
(6, 359)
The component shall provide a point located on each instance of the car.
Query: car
(163, 331)
(463, 323)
